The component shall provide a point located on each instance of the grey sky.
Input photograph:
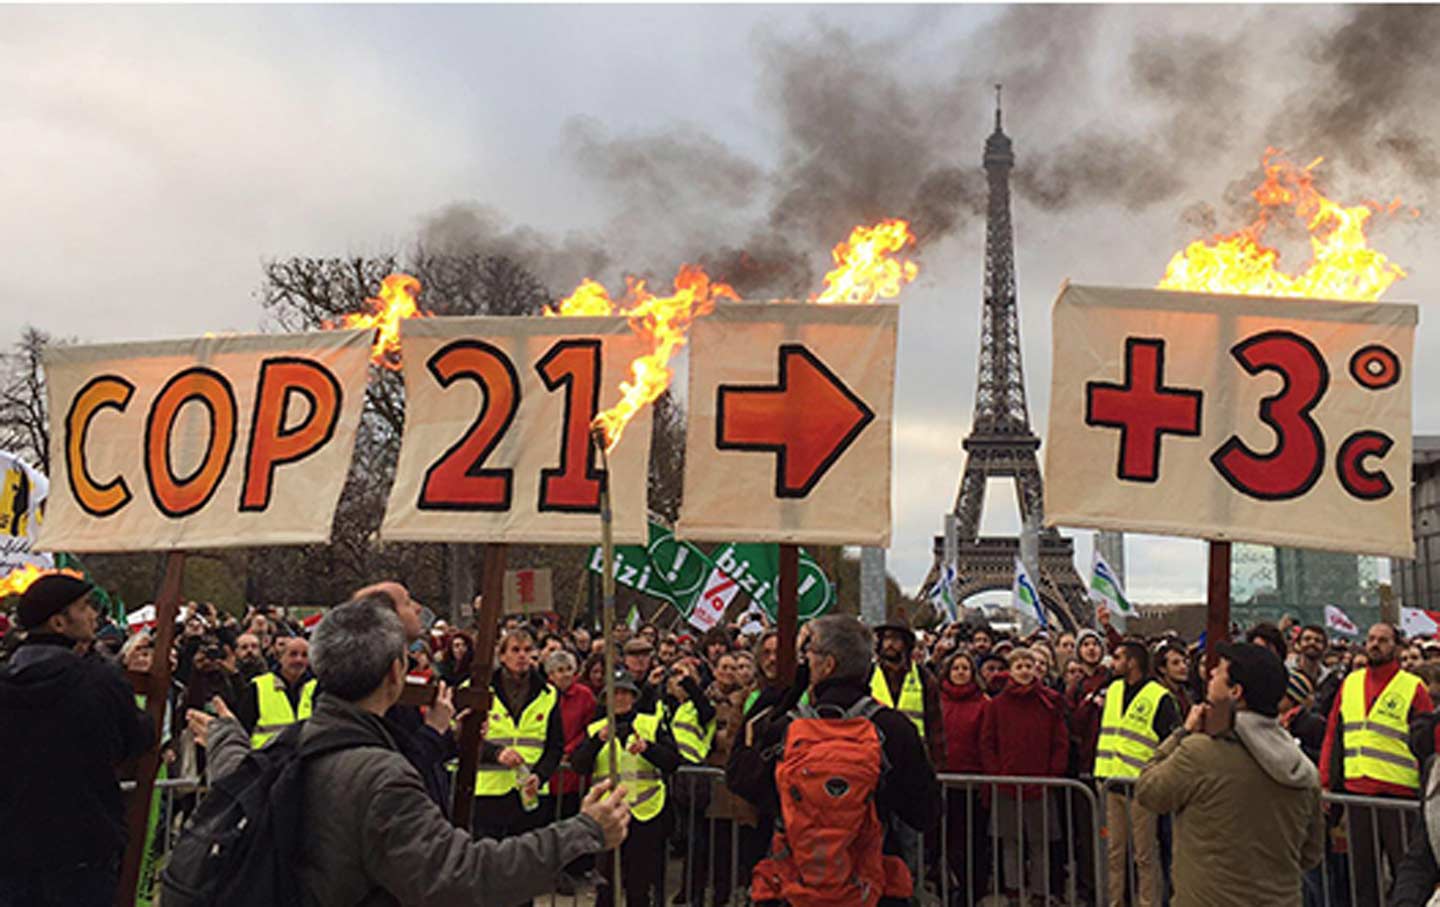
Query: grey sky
(156, 156)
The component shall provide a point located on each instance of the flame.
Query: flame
(864, 269)
(1342, 266)
(661, 321)
(396, 303)
(21, 578)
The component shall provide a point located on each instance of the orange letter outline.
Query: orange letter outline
(175, 496)
(99, 499)
(271, 443)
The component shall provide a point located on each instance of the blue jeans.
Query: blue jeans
(84, 886)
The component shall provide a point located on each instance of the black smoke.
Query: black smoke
(1108, 106)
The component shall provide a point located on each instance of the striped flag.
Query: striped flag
(1106, 591)
(1023, 594)
(942, 596)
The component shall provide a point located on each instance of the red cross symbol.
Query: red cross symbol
(1143, 408)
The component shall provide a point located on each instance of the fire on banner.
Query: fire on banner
(497, 444)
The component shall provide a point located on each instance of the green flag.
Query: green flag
(756, 567)
(667, 569)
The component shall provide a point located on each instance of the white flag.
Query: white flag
(1415, 622)
(942, 596)
(1339, 621)
(1106, 591)
(22, 491)
(720, 590)
(1023, 594)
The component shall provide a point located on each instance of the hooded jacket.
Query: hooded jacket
(66, 723)
(1023, 733)
(374, 837)
(1252, 785)
(963, 708)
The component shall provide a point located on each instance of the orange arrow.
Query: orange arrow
(809, 418)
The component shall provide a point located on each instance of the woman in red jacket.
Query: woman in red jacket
(962, 706)
(1023, 733)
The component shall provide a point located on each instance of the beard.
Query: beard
(252, 664)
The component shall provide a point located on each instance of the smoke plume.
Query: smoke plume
(1107, 106)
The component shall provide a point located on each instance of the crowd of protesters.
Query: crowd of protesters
(966, 699)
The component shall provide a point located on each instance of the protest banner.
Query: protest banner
(1278, 421)
(789, 428)
(788, 435)
(497, 442)
(202, 443)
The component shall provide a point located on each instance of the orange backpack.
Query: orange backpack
(826, 849)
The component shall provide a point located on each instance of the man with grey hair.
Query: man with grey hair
(425, 738)
(372, 835)
(836, 670)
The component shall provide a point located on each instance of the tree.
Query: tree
(24, 415)
(308, 293)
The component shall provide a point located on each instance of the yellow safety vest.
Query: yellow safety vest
(275, 711)
(1377, 745)
(1128, 741)
(644, 783)
(527, 738)
(691, 738)
(912, 696)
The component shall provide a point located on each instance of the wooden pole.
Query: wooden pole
(156, 689)
(788, 616)
(482, 666)
(607, 578)
(1217, 600)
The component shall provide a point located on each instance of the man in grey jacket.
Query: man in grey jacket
(372, 836)
(1246, 799)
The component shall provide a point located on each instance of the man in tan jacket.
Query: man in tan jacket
(1247, 801)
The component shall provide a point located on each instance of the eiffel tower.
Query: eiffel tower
(1001, 442)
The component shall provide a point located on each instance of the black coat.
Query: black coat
(66, 723)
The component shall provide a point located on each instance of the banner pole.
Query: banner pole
(492, 599)
(788, 613)
(607, 578)
(155, 684)
(1217, 600)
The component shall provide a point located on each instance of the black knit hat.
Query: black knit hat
(48, 596)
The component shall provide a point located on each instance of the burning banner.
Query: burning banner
(497, 444)
(1241, 417)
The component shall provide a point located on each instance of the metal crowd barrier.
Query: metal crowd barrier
(970, 873)
(1365, 840)
(1376, 834)
(976, 855)
(1066, 811)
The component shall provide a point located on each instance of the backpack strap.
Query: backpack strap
(868, 707)
(864, 707)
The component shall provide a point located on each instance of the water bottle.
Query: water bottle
(530, 802)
